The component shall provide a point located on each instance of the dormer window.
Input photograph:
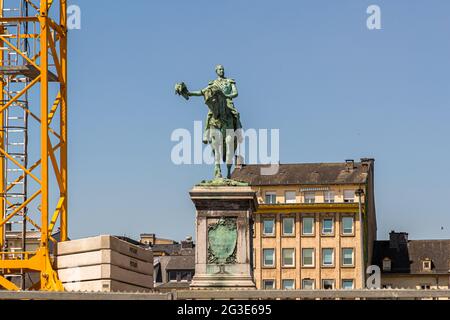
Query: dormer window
(426, 265)
(271, 198)
(387, 264)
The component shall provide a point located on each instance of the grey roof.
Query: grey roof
(408, 257)
(169, 249)
(304, 174)
(185, 262)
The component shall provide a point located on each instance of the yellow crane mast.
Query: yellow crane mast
(33, 42)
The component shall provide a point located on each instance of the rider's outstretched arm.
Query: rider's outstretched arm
(195, 93)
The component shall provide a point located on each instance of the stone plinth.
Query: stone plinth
(223, 255)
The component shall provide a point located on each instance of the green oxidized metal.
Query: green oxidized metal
(223, 129)
(221, 182)
(222, 242)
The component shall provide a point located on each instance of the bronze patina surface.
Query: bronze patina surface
(222, 242)
(223, 128)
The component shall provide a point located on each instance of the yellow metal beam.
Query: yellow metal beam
(18, 19)
(55, 168)
(2, 137)
(63, 118)
(52, 45)
(8, 285)
(41, 261)
(31, 169)
(45, 5)
(20, 94)
(33, 5)
(19, 208)
(19, 52)
(55, 27)
(35, 116)
(56, 214)
(17, 163)
(54, 108)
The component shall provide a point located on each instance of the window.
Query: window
(253, 225)
(269, 284)
(269, 257)
(308, 284)
(269, 227)
(288, 226)
(425, 287)
(288, 284)
(328, 257)
(328, 226)
(427, 265)
(310, 197)
(308, 226)
(347, 225)
(329, 196)
(173, 276)
(290, 197)
(328, 284)
(288, 257)
(348, 284)
(180, 276)
(271, 198)
(349, 196)
(186, 276)
(308, 257)
(347, 257)
(387, 264)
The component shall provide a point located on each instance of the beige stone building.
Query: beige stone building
(150, 239)
(315, 226)
(413, 264)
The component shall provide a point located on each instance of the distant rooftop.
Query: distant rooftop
(169, 249)
(129, 240)
(349, 172)
(407, 256)
(185, 262)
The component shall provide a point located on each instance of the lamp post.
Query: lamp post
(359, 193)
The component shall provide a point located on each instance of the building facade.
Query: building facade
(174, 263)
(413, 264)
(315, 226)
(150, 239)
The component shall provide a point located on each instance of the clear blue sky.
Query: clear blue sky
(310, 68)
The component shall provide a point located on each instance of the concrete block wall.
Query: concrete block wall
(104, 264)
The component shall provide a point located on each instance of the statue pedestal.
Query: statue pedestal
(223, 253)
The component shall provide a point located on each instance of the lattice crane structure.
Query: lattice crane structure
(33, 140)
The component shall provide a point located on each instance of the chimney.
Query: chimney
(188, 243)
(366, 162)
(398, 240)
(350, 164)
